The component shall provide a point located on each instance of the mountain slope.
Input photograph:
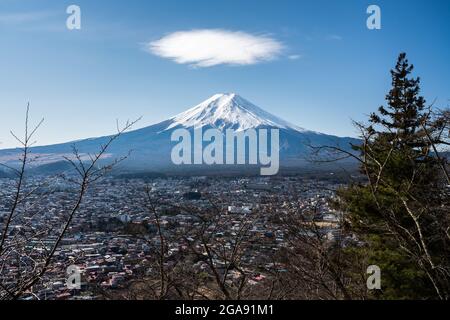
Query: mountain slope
(151, 146)
(229, 111)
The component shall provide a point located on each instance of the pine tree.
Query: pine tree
(401, 214)
(405, 112)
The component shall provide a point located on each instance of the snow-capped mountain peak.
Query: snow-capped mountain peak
(152, 146)
(228, 110)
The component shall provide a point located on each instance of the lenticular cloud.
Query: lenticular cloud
(206, 48)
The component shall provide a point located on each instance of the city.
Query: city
(102, 240)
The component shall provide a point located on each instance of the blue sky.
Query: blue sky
(328, 70)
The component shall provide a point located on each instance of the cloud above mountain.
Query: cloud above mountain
(211, 47)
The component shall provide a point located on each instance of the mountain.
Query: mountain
(4, 174)
(225, 111)
(151, 146)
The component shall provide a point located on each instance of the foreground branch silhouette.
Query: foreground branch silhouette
(27, 254)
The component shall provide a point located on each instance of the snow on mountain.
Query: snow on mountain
(151, 146)
(228, 110)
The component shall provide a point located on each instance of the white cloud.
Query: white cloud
(334, 37)
(211, 47)
(294, 56)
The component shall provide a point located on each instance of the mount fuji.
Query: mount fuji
(151, 146)
(229, 111)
